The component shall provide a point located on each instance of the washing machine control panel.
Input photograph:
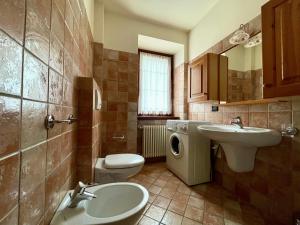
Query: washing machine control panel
(182, 127)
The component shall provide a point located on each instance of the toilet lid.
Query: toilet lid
(119, 161)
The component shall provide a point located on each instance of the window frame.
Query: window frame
(154, 116)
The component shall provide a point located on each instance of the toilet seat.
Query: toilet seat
(122, 161)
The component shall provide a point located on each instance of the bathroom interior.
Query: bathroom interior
(149, 112)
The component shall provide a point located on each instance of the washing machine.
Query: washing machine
(188, 152)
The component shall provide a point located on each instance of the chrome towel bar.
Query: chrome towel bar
(50, 121)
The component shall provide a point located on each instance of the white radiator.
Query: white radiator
(154, 141)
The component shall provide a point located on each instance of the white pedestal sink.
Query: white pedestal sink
(116, 204)
(240, 145)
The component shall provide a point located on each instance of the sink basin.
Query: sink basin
(116, 203)
(240, 145)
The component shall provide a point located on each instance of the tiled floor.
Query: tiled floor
(171, 202)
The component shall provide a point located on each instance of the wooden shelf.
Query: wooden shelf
(255, 102)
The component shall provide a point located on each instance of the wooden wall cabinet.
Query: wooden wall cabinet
(281, 48)
(204, 79)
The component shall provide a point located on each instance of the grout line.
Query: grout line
(21, 112)
(9, 213)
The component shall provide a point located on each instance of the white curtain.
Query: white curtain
(155, 85)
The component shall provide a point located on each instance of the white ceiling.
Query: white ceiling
(159, 45)
(182, 14)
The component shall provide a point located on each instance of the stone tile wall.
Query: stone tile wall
(117, 74)
(180, 91)
(89, 129)
(44, 46)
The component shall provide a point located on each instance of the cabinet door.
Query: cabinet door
(281, 47)
(197, 81)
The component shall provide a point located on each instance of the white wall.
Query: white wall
(121, 33)
(236, 58)
(98, 22)
(89, 7)
(244, 59)
(224, 18)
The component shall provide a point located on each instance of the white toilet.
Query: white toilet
(117, 167)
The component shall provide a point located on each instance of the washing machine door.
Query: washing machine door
(176, 145)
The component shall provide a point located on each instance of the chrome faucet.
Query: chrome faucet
(237, 121)
(79, 194)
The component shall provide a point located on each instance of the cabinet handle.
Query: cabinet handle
(118, 137)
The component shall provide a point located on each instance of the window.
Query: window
(155, 84)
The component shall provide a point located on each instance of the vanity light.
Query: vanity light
(256, 40)
(240, 36)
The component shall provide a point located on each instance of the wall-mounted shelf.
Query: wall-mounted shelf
(255, 102)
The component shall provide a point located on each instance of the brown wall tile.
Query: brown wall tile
(54, 157)
(11, 65)
(276, 119)
(33, 129)
(9, 184)
(38, 28)
(57, 21)
(32, 206)
(10, 111)
(11, 218)
(35, 78)
(55, 110)
(53, 160)
(55, 87)
(258, 119)
(33, 168)
(56, 54)
(53, 184)
(12, 18)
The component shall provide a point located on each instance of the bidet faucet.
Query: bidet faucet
(237, 121)
(79, 194)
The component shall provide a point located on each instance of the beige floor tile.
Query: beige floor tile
(184, 189)
(171, 185)
(146, 208)
(162, 202)
(187, 221)
(180, 197)
(147, 221)
(209, 204)
(154, 175)
(140, 176)
(197, 195)
(155, 189)
(196, 202)
(194, 213)
(155, 212)
(160, 183)
(210, 219)
(152, 197)
(168, 193)
(177, 207)
(144, 183)
(214, 209)
(171, 218)
(149, 179)
(168, 173)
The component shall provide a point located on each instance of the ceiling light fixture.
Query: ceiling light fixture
(240, 36)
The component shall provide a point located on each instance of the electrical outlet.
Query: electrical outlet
(215, 108)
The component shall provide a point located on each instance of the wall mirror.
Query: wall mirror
(245, 78)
